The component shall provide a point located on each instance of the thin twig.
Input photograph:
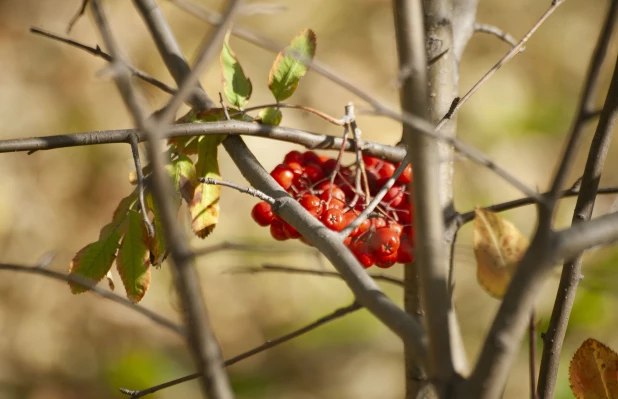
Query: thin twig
(133, 140)
(499, 33)
(77, 16)
(512, 53)
(588, 191)
(259, 248)
(90, 286)
(267, 345)
(97, 52)
(245, 190)
(325, 116)
(170, 50)
(265, 268)
(506, 206)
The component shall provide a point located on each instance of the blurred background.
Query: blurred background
(56, 345)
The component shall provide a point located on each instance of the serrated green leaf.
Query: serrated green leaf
(271, 116)
(94, 260)
(236, 86)
(132, 262)
(291, 65)
(205, 204)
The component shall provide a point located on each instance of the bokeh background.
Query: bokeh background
(56, 345)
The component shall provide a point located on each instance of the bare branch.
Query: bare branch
(337, 314)
(307, 139)
(97, 52)
(170, 51)
(499, 33)
(77, 16)
(586, 104)
(266, 268)
(588, 187)
(90, 286)
(488, 378)
(512, 53)
(423, 154)
(204, 346)
(505, 206)
(532, 356)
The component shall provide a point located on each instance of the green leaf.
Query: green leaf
(94, 260)
(236, 86)
(205, 204)
(291, 65)
(270, 116)
(133, 262)
(183, 174)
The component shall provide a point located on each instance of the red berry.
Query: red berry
(284, 175)
(310, 202)
(262, 213)
(293, 156)
(386, 261)
(362, 228)
(310, 157)
(385, 241)
(314, 172)
(335, 203)
(347, 241)
(276, 230)
(385, 172)
(371, 162)
(378, 223)
(336, 193)
(361, 250)
(290, 231)
(406, 176)
(391, 224)
(296, 167)
(333, 219)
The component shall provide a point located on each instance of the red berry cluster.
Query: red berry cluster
(386, 238)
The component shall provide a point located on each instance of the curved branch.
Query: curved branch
(88, 284)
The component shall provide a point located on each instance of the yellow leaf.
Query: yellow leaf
(205, 204)
(498, 247)
(593, 372)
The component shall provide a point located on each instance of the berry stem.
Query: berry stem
(375, 201)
